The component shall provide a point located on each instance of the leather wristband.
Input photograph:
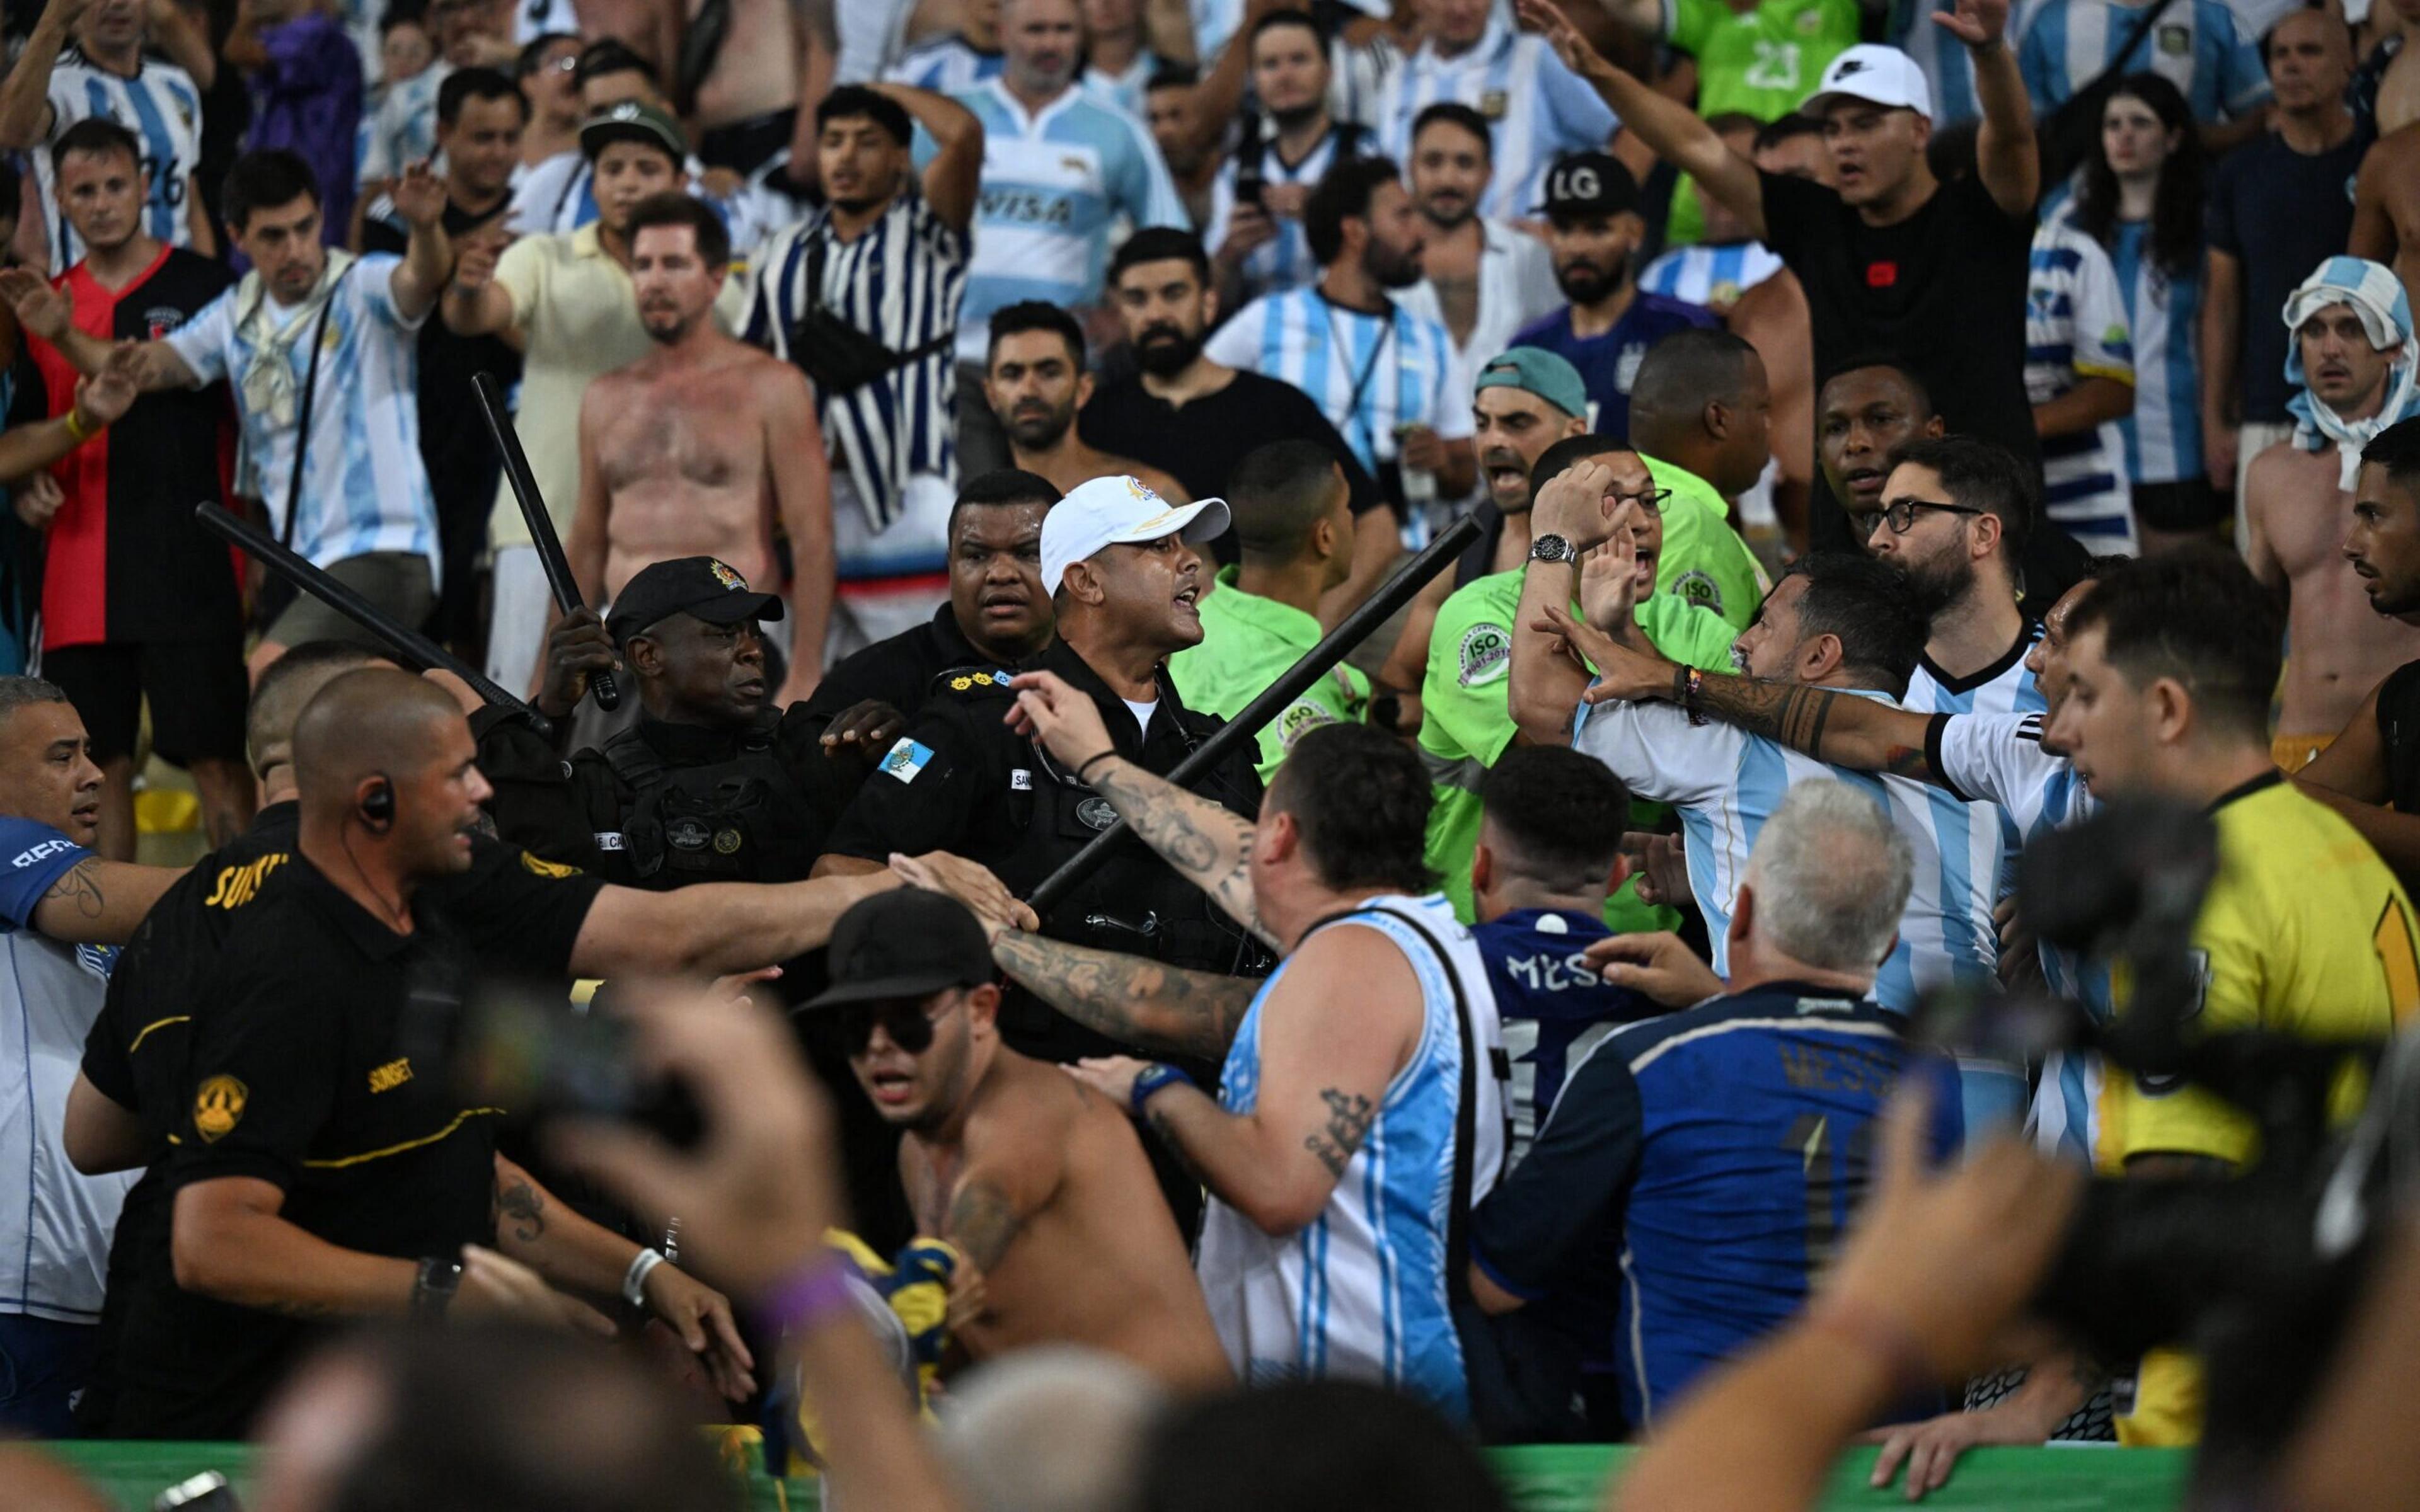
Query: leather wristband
(1086, 765)
(1152, 1080)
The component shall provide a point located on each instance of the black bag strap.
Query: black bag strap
(818, 244)
(302, 419)
(2115, 69)
(1465, 1111)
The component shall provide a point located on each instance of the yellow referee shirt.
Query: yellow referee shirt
(2305, 931)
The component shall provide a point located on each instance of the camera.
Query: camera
(2255, 1272)
(540, 1055)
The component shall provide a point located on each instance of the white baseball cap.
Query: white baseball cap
(1876, 74)
(1116, 511)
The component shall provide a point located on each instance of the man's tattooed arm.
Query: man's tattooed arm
(80, 889)
(1827, 724)
(1157, 1008)
(982, 1222)
(1349, 1116)
(522, 1202)
(1212, 846)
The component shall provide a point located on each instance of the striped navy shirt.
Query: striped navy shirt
(901, 282)
(163, 110)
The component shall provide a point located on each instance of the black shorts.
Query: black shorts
(2187, 504)
(197, 693)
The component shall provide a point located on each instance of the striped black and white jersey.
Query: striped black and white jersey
(901, 282)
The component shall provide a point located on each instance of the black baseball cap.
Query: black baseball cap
(633, 120)
(686, 585)
(904, 944)
(1589, 183)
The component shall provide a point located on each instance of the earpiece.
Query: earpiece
(377, 805)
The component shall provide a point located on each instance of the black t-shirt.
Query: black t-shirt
(255, 909)
(2398, 729)
(1199, 445)
(898, 670)
(125, 561)
(2280, 214)
(1943, 290)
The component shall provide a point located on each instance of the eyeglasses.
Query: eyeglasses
(1651, 500)
(908, 1025)
(1899, 514)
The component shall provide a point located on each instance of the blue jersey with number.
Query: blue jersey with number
(1727, 1145)
(1553, 1005)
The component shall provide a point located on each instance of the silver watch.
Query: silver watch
(1552, 549)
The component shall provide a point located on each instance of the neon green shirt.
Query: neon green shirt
(1765, 62)
(1705, 561)
(1466, 721)
(1248, 642)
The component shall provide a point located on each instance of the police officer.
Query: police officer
(713, 785)
(1124, 581)
(998, 615)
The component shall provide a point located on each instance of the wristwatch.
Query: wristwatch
(1552, 549)
(432, 1289)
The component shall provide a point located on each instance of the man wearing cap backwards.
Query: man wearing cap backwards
(1036, 1179)
(1891, 257)
(1594, 229)
(1124, 574)
(713, 783)
(569, 303)
(704, 445)
(2355, 373)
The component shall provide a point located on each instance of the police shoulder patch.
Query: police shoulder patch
(218, 1105)
(554, 870)
(1485, 655)
(907, 759)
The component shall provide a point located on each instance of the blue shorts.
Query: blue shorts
(43, 1367)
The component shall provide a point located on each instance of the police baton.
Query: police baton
(541, 525)
(1315, 664)
(409, 646)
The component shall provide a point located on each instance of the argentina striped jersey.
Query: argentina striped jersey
(1537, 110)
(1285, 261)
(1369, 373)
(1361, 1292)
(2075, 329)
(1053, 182)
(1727, 783)
(1715, 276)
(2162, 437)
(2195, 44)
(901, 282)
(945, 64)
(163, 110)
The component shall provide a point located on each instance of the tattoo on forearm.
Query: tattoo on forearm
(981, 1223)
(1349, 1116)
(1135, 1001)
(81, 887)
(1156, 1114)
(521, 1203)
(1198, 836)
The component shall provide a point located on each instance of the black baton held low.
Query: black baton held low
(1392, 595)
(409, 646)
(541, 524)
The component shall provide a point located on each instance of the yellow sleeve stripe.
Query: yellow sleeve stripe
(2123, 375)
(460, 1120)
(159, 1024)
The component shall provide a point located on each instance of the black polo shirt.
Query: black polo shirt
(1200, 443)
(898, 670)
(2398, 731)
(290, 1067)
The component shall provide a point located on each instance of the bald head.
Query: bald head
(290, 682)
(363, 723)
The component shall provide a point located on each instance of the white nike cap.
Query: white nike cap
(1117, 511)
(1875, 74)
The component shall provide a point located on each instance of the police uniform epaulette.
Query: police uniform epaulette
(973, 680)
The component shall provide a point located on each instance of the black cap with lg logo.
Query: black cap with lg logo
(1589, 183)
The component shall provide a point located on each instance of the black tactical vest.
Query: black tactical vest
(744, 819)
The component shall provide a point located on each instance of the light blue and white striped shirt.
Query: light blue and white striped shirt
(946, 65)
(1053, 184)
(2075, 329)
(2198, 45)
(1999, 759)
(1362, 1292)
(1709, 275)
(1369, 373)
(163, 110)
(1946, 66)
(901, 282)
(365, 489)
(1537, 109)
(2006, 687)
(1727, 783)
(1285, 261)
(1215, 20)
(2162, 437)
(1126, 90)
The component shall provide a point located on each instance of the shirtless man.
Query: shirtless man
(1035, 383)
(701, 446)
(748, 102)
(2386, 207)
(2299, 504)
(1039, 1181)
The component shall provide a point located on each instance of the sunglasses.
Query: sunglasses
(907, 1025)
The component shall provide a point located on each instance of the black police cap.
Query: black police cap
(701, 586)
(904, 944)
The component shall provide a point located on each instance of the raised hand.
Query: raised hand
(1066, 721)
(1572, 505)
(575, 649)
(1976, 23)
(1609, 579)
(1578, 53)
(104, 397)
(474, 260)
(39, 307)
(419, 196)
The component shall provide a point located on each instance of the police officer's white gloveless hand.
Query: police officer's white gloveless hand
(1066, 722)
(971, 883)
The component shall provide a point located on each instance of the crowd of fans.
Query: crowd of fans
(1878, 441)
